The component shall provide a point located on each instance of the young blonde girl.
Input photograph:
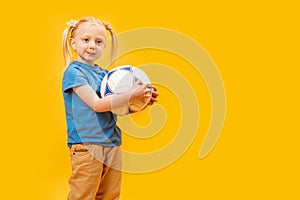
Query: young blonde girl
(93, 136)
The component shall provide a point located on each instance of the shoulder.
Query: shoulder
(74, 70)
(74, 75)
(73, 67)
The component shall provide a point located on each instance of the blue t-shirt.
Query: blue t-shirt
(84, 124)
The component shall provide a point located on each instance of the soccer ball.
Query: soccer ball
(120, 80)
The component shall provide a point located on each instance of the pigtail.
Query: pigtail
(67, 50)
(114, 44)
(114, 48)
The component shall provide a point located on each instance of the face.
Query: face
(89, 42)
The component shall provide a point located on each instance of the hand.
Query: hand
(153, 96)
(139, 92)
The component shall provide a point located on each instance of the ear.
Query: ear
(72, 42)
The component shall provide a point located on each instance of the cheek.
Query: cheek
(100, 49)
(80, 48)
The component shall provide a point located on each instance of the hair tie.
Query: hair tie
(107, 26)
(72, 23)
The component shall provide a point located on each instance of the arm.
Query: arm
(89, 97)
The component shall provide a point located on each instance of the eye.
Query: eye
(99, 42)
(85, 39)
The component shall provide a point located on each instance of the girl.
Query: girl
(93, 136)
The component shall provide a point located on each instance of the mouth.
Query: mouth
(91, 53)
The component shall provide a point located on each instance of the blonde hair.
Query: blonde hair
(69, 32)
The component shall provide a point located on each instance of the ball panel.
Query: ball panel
(140, 75)
(120, 81)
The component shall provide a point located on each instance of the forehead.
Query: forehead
(95, 30)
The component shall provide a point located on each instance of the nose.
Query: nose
(92, 44)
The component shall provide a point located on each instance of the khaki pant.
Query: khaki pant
(96, 172)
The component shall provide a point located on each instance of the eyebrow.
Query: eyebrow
(89, 36)
(100, 38)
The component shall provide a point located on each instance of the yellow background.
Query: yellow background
(255, 45)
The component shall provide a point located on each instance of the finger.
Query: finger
(147, 95)
(155, 94)
(154, 88)
(146, 86)
(153, 99)
(150, 103)
(147, 91)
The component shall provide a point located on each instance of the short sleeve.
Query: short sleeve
(73, 77)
